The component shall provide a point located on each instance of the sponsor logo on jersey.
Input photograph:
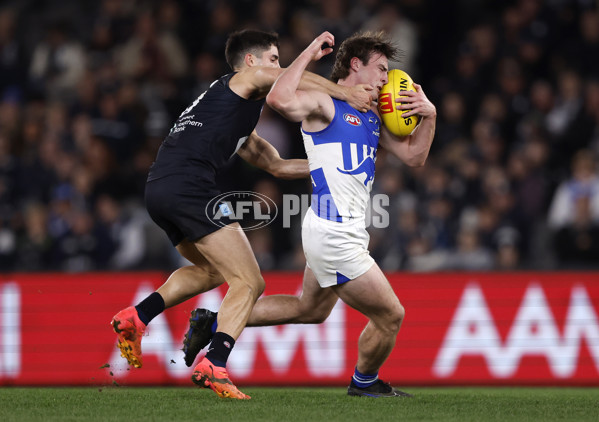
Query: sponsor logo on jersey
(352, 119)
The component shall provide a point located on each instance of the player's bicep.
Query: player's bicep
(303, 105)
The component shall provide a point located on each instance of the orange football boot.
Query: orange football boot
(208, 375)
(129, 329)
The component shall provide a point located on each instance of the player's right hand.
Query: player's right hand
(415, 102)
(316, 49)
(360, 97)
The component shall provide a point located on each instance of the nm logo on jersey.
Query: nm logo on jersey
(358, 159)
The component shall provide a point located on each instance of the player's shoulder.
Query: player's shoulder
(249, 82)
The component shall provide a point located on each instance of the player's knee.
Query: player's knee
(256, 286)
(396, 318)
(252, 286)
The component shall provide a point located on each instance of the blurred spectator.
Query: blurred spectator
(567, 107)
(528, 180)
(508, 256)
(584, 130)
(451, 123)
(271, 16)
(577, 243)
(57, 64)
(118, 17)
(262, 246)
(8, 178)
(207, 68)
(125, 230)
(469, 254)
(84, 245)
(221, 22)
(113, 125)
(12, 54)
(583, 183)
(151, 53)
(589, 28)
(35, 244)
(10, 112)
(8, 245)
(389, 18)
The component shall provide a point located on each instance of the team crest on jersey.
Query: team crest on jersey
(358, 160)
(352, 119)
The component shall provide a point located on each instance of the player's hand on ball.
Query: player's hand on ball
(360, 97)
(390, 99)
(415, 102)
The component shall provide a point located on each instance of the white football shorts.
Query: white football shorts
(336, 252)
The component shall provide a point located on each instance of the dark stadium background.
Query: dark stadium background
(498, 233)
(88, 90)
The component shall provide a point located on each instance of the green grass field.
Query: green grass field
(127, 404)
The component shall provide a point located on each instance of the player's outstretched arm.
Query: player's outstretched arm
(256, 81)
(258, 152)
(357, 96)
(413, 149)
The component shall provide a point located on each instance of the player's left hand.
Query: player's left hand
(360, 97)
(415, 102)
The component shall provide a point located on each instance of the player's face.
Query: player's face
(375, 73)
(269, 58)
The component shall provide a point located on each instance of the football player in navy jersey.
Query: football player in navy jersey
(181, 183)
(341, 143)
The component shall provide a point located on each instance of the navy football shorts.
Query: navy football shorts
(180, 205)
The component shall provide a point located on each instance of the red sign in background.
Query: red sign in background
(460, 328)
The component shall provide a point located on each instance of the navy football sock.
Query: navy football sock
(220, 349)
(150, 307)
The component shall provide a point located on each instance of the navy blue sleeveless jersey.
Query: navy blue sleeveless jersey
(207, 133)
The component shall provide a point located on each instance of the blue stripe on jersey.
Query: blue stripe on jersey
(322, 200)
(360, 151)
(346, 156)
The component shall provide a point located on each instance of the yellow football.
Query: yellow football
(392, 117)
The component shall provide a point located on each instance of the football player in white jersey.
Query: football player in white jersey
(341, 145)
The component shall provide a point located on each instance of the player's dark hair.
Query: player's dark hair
(362, 45)
(248, 41)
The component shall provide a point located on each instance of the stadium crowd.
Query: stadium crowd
(88, 90)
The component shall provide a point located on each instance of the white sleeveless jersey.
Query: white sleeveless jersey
(341, 159)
